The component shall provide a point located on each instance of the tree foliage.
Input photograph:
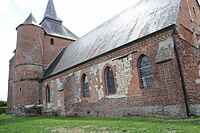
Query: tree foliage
(3, 103)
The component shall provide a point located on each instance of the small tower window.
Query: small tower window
(48, 94)
(194, 12)
(52, 41)
(110, 83)
(85, 86)
(146, 72)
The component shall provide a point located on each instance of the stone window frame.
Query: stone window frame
(48, 94)
(82, 85)
(142, 78)
(105, 82)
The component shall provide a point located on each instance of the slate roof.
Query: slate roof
(50, 11)
(144, 18)
(53, 25)
(30, 20)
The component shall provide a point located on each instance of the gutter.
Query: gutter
(181, 74)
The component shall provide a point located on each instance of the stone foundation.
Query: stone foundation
(27, 110)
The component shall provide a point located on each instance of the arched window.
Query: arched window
(85, 86)
(146, 72)
(110, 83)
(48, 94)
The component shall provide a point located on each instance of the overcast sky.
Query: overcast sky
(79, 16)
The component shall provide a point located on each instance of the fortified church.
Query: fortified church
(144, 61)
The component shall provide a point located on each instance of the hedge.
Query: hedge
(2, 110)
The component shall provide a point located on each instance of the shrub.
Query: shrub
(3, 103)
(2, 111)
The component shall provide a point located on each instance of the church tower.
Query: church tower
(37, 46)
(28, 65)
(57, 35)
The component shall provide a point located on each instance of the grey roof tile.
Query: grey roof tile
(30, 20)
(55, 28)
(53, 25)
(144, 18)
(50, 11)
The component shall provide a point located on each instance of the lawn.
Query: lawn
(12, 124)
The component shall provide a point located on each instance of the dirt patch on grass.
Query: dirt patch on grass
(173, 131)
(95, 129)
(64, 130)
(84, 129)
(89, 126)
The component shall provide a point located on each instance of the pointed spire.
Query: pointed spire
(50, 11)
(30, 20)
(53, 25)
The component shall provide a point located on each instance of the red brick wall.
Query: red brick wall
(29, 44)
(28, 67)
(10, 84)
(164, 99)
(190, 62)
(50, 51)
(189, 21)
(26, 93)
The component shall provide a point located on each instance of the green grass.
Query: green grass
(12, 124)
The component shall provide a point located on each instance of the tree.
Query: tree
(3, 103)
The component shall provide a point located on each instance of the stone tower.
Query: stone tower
(28, 66)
